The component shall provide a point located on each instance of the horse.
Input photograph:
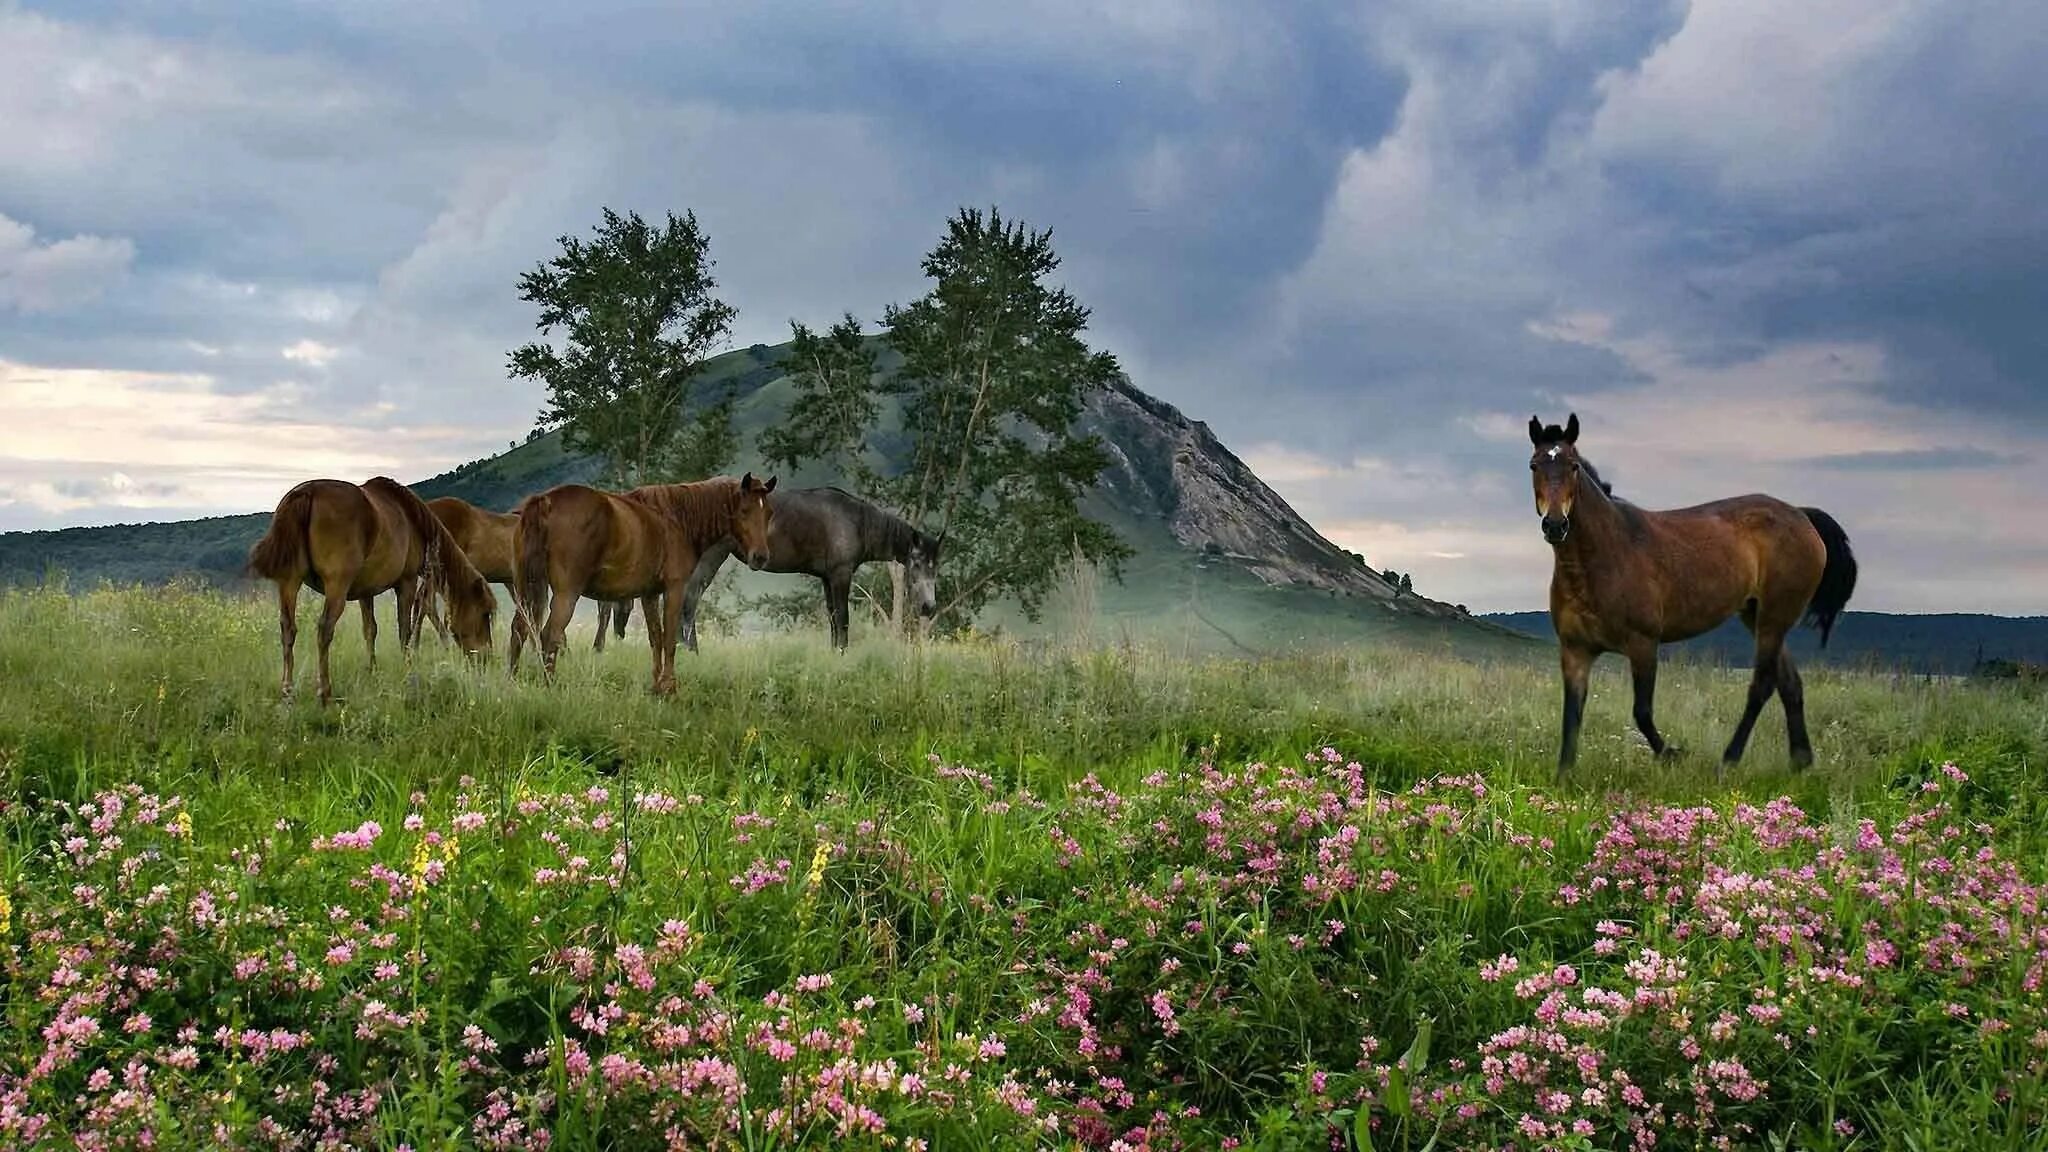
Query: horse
(1625, 580)
(354, 541)
(574, 540)
(827, 533)
(486, 538)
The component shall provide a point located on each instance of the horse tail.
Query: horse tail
(1837, 579)
(530, 566)
(281, 554)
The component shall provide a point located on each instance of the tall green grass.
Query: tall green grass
(960, 832)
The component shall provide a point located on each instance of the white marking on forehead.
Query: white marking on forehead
(1554, 452)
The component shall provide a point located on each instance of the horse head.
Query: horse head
(750, 517)
(1555, 469)
(921, 574)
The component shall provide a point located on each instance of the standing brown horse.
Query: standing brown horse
(1626, 580)
(574, 541)
(354, 541)
(486, 538)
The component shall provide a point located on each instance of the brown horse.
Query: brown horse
(574, 541)
(354, 541)
(486, 538)
(1626, 580)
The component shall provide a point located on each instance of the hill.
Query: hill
(1222, 564)
(1935, 644)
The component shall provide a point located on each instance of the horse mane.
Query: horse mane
(702, 508)
(1606, 488)
(897, 532)
(438, 546)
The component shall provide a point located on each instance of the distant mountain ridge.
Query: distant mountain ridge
(1951, 643)
(1218, 548)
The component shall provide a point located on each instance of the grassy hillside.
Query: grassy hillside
(1196, 600)
(1944, 643)
(990, 897)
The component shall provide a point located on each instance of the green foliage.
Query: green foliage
(994, 377)
(835, 407)
(638, 317)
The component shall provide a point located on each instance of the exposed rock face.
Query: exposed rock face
(1175, 468)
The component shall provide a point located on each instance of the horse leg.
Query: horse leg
(1763, 684)
(331, 609)
(1576, 664)
(287, 626)
(700, 579)
(838, 589)
(521, 625)
(556, 629)
(671, 623)
(652, 614)
(1642, 666)
(620, 612)
(1793, 693)
(604, 624)
(368, 604)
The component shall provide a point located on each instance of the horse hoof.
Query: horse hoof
(1802, 758)
(1670, 753)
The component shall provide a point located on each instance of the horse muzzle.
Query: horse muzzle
(757, 560)
(1556, 528)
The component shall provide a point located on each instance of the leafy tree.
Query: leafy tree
(638, 317)
(835, 406)
(995, 373)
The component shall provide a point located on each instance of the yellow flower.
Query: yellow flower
(180, 825)
(818, 859)
(6, 913)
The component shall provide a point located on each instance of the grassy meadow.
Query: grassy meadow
(984, 895)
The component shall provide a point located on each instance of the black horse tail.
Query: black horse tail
(282, 554)
(530, 568)
(1837, 579)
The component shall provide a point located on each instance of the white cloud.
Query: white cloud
(47, 277)
(80, 439)
(311, 353)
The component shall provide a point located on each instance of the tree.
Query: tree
(995, 373)
(638, 316)
(835, 405)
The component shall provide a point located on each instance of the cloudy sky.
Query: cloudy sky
(1800, 249)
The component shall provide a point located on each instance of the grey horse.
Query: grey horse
(828, 533)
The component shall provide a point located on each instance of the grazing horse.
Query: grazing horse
(1626, 579)
(827, 533)
(573, 540)
(353, 541)
(486, 538)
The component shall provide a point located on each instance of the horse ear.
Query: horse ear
(769, 486)
(1535, 431)
(747, 482)
(1571, 429)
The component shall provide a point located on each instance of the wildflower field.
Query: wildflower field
(972, 896)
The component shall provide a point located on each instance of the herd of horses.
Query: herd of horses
(1624, 579)
(660, 544)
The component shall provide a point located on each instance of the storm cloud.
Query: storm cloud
(1757, 247)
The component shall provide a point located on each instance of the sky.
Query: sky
(1796, 249)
